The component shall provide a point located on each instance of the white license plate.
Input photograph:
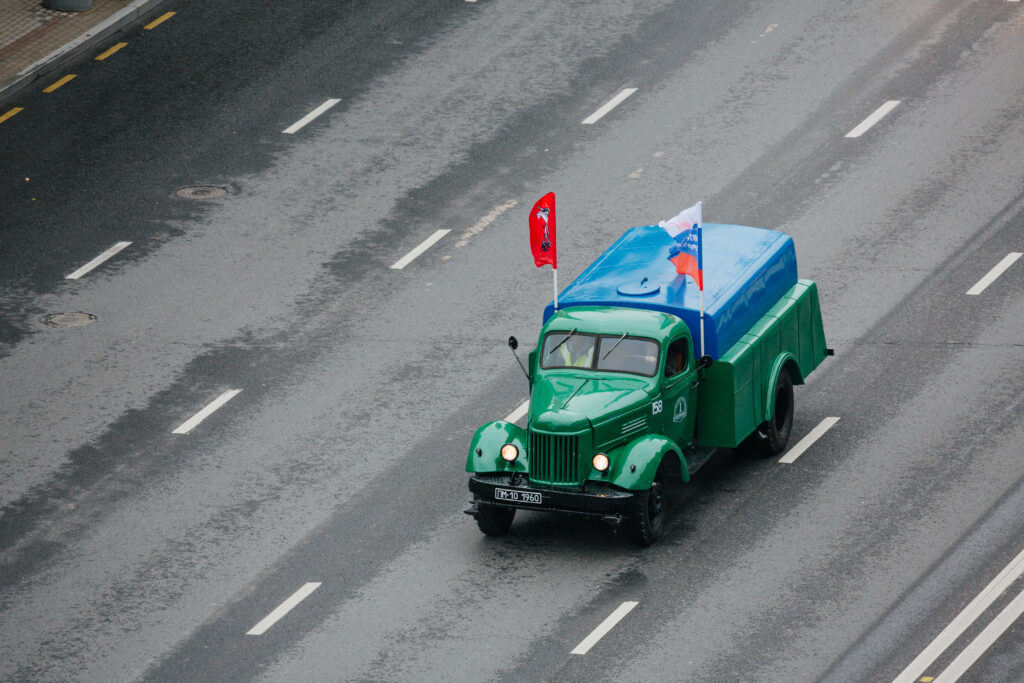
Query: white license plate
(517, 496)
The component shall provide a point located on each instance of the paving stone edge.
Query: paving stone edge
(74, 48)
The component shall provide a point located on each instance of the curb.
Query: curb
(72, 49)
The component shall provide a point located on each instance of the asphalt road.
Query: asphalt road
(335, 467)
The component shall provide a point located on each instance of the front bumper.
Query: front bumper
(599, 500)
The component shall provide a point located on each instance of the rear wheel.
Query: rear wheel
(494, 520)
(649, 509)
(772, 436)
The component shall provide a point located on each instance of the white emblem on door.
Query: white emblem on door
(679, 412)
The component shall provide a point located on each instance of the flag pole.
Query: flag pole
(702, 322)
(555, 272)
(700, 271)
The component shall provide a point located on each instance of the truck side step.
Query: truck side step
(614, 521)
(697, 456)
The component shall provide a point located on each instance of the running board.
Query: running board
(697, 456)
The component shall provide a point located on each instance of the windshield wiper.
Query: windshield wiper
(605, 356)
(582, 384)
(559, 345)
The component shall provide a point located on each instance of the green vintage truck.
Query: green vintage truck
(621, 399)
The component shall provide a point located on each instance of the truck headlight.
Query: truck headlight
(509, 452)
(601, 462)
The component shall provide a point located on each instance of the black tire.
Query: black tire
(650, 508)
(772, 436)
(494, 520)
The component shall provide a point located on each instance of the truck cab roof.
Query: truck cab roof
(613, 320)
(746, 270)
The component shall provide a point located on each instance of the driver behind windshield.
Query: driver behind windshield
(577, 352)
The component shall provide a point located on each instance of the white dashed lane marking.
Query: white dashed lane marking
(427, 244)
(806, 442)
(97, 261)
(608, 106)
(193, 421)
(283, 609)
(301, 123)
(875, 117)
(479, 226)
(518, 412)
(993, 274)
(606, 625)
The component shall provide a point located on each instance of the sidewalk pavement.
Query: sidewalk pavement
(35, 41)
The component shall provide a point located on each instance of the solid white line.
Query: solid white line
(959, 666)
(611, 104)
(282, 609)
(97, 261)
(606, 625)
(877, 116)
(967, 616)
(191, 423)
(805, 443)
(998, 270)
(427, 244)
(518, 412)
(298, 125)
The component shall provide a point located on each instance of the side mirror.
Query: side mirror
(513, 344)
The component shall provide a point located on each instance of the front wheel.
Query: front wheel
(494, 520)
(649, 509)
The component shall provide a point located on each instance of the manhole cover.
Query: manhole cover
(76, 319)
(200, 192)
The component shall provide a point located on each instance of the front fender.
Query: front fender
(485, 448)
(634, 465)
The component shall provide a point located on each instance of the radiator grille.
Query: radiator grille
(554, 459)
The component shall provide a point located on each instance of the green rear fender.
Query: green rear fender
(488, 440)
(783, 360)
(634, 465)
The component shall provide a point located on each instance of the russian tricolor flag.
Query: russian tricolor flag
(687, 254)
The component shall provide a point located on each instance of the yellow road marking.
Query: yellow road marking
(159, 20)
(59, 83)
(101, 57)
(10, 113)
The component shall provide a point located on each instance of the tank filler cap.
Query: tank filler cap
(645, 287)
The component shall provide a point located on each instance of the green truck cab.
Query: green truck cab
(622, 402)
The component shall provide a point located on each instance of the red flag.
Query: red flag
(542, 231)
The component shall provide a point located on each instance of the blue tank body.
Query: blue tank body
(746, 271)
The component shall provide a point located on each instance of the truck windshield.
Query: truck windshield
(609, 353)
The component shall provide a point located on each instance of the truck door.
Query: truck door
(679, 389)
